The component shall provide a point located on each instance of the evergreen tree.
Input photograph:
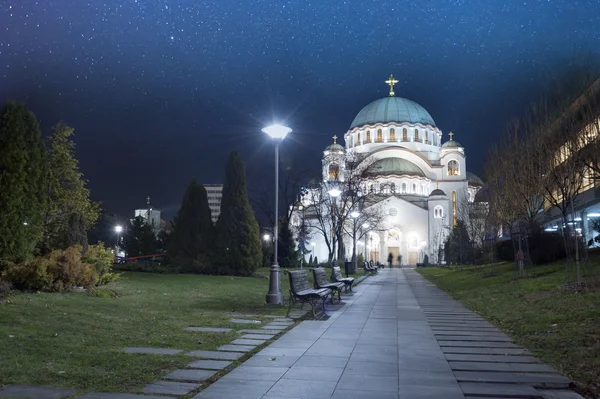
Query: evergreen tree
(238, 244)
(303, 238)
(193, 236)
(67, 190)
(22, 176)
(458, 248)
(286, 247)
(139, 238)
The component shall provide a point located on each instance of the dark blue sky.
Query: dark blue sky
(161, 91)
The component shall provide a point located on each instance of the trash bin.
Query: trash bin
(349, 268)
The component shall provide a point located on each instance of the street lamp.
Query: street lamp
(266, 237)
(118, 230)
(275, 295)
(365, 226)
(355, 216)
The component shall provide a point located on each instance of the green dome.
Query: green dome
(395, 166)
(392, 109)
(334, 147)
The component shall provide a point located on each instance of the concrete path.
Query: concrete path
(398, 337)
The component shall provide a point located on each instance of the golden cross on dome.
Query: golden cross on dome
(148, 200)
(334, 139)
(391, 82)
(450, 134)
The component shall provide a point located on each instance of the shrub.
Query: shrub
(102, 259)
(5, 288)
(60, 270)
(146, 267)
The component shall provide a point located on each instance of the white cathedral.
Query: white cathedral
(419, 185)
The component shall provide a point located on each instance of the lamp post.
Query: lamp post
(365, 226)
(118, 229)
(275, 295)
(355, 216)
(333, 192)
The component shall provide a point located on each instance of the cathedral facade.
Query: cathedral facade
(417, 181)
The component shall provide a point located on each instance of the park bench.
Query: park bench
(320, 276)
(369, 269)
(300, 291)
(337, 278)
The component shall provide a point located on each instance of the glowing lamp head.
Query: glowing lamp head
(277, 131)
(118, 229)
(365, 225)
(266, 237)
(354, 214)
(334, 192)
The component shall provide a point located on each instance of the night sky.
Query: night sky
(160, 91)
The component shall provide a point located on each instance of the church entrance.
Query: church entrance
(413, 258)
(395, 251)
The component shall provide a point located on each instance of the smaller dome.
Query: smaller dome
(334, 147)
(437, 191)
(473, 179)
(451, 143)
(395, 166)
(483, 194)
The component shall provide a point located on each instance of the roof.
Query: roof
(437, 191)
(392, 109)
(473, 179)
(451, 143)
(395, 166)
(334, 147)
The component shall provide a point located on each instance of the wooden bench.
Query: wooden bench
(320, 276)
(338, 278)
(369, 269)
(300, 291)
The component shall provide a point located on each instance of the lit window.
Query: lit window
(379, 136)
(358, 141)
(417, 135)
(334, 171)
(392, 134)
(453, 169)
(404, 135)
(368, 139)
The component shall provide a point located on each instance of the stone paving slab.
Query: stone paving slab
(469, 333)
(152, 351)
(256, 373)
(485, 351)
(190, 375)
(215, 355)
(302, 389)
(274, 328)
(271, 361)
(32, 392)
(507, 367)
(236, 348)
(244, 321)
(500, 390)
(476, 338)
(253, 342)
(209, 364)
(111, 395)
(261, 337)
(235, 389)
(474, 344)
(536, 380)
(170, 388)
(208, 329)
(260, 331)
(491, 358)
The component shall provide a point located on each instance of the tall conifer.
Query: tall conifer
(22, 176)
(193, 235)
(238, 246)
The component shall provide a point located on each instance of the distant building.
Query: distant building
(215, 195)
(150, 215)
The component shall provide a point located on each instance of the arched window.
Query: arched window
(438, 212)
(379, 136)
(371, 188)
(358, 141)
(453, 169)
(403, 188)
(404, 135)
(414, 188)
(417, 135)
(426, 137)
(368, 139)
(386, 189)
(419, 189)
(434, 139)
(393, 188)
(392, 134)
(334, 171)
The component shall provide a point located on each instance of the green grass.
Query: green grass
(72, 340)
(561, 327)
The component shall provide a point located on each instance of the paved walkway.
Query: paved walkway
(398, 337)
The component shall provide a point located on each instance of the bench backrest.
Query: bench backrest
(299, 280)
(320, 276)
(337, 273)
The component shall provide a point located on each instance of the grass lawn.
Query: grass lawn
(73, 340)
(561, 328)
